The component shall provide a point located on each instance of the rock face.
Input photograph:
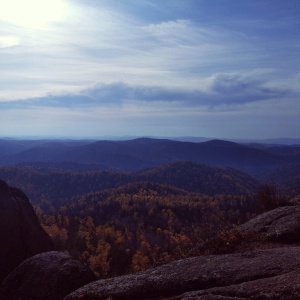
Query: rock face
(265, 274)
(281, 224)
(46, 276)
(285, 286)
(21, 235)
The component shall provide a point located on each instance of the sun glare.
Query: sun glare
(32, 13)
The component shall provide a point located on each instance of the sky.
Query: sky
(202, 68)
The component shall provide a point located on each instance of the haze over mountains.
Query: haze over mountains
(143, 153)
(58, 170)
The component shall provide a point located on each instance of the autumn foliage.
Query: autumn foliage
(141, 225)
(118, 223)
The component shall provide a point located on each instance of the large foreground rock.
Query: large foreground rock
(285, 286)
(265, 274)
(21, 235)
(281, 224)
(46, 276)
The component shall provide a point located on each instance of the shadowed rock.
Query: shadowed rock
(201, 274)
(280, 224)
(281, 287)
(46, 276)
(21, 235)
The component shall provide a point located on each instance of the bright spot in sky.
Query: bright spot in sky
(8, 41)
(32, 13)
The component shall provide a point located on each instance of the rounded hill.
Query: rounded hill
(201, 178)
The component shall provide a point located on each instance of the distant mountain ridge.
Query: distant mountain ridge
(143, 153)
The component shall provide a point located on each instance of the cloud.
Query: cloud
(54, 101)
(154, 59)
(102, 45)
(242, 88)
(120, 93)
(221, 89)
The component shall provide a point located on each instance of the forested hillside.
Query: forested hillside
(140, 225)
(203, 179)
(287, 179)
(57, 187)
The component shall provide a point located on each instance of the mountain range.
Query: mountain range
(144, 153)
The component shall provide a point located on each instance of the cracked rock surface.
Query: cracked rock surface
(265, 274)
(281, 224)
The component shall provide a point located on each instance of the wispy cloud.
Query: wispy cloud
(148, 62)
(101, 45)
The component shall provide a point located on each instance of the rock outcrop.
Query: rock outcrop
(265, 274)
(285, 286)
(46, 276)
(281, 224)
(21, 235)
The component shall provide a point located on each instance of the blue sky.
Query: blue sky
(92, 68)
